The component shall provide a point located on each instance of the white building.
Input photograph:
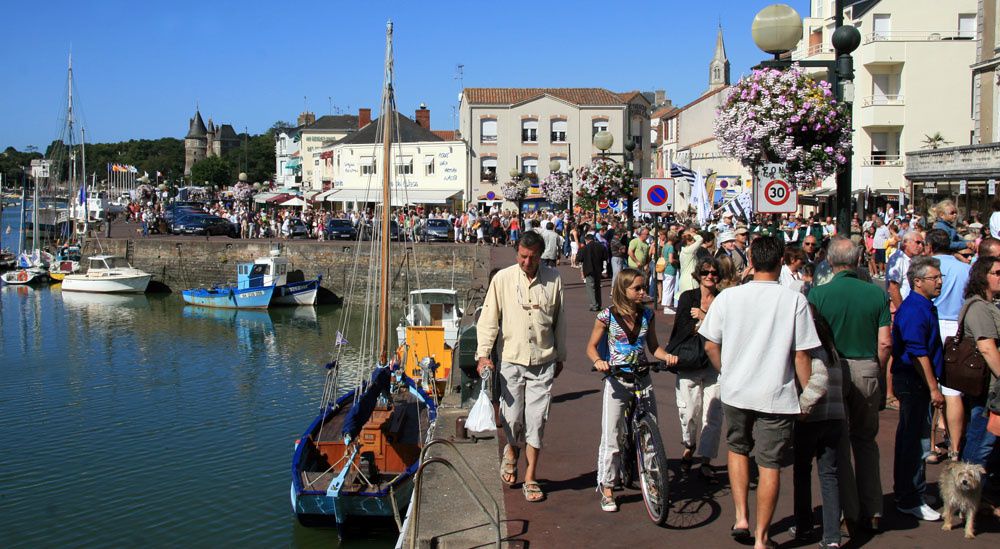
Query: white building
(325, 130)
(428, 170)
(911, 81)
(525, 129)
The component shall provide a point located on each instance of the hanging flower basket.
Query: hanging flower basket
(514, 189)
(785, 117)
(557, 187)
(603, 179)
(242, 192)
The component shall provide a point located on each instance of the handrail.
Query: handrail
(417, 488)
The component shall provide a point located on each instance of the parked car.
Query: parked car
(394, 233)
(296, 228)
(341, 229)
(438, 230)
(180, 209)
(203, 224)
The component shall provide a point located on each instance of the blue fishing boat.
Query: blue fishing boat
(250, 291)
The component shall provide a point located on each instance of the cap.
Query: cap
(726, 236)
(742, 230)
(727, 214)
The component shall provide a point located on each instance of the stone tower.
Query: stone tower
(718, 69)
(195, 143)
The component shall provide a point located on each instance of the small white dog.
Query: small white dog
(961, 487)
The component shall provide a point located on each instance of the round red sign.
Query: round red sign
(776, 192)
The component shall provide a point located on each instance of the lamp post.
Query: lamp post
(777, 29)
(603, 140)
(556, 167)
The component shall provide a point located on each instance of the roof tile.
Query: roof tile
(511, 96)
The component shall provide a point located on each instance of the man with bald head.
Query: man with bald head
(858, 313)
(911, 244)
(989, 247)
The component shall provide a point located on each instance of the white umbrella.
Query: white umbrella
(293, 203)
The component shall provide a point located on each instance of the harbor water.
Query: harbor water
(138, 420)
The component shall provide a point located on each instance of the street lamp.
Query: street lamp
(603, 140)
(556, 167)
(777, 29)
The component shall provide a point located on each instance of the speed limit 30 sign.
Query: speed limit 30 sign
(773, 193)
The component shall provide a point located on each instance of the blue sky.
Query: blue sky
(140, 67)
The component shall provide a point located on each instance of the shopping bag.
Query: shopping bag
(480, 418)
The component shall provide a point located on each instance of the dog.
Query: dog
(961, 487)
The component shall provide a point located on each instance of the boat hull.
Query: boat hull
(22, 277)
(230, 298)
(106, 284)
(296, 293)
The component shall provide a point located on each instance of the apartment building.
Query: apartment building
(525, 129)
(938, 173)
(315, 136)
(911, 81)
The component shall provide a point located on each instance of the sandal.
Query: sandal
(532, 492)
(508, 468)
(935, 457)
(892, 403)
(608, 503)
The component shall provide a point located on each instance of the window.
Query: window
(404, 165)
(559, 131)
(599, 126)
(881, 27)
(885, 88)
(488, 170)
(967, 25)
(885, 148)
(672, 129)
(488, 131)
(367, 165)
(429, 164)
(529, 165)
(529, 131)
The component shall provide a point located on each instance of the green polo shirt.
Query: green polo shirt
(855, 311)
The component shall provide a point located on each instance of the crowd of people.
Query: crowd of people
(802, 337)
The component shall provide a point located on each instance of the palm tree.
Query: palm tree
(935, 141)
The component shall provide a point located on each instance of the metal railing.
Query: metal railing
(893, 160)
(418, 486)
(876, 100)
(488, 139)
(917, 36)
(811, 51)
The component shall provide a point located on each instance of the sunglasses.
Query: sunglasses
(810, 244)
(709, 273)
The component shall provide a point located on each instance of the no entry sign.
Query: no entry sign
(656, 195)
(773, 193)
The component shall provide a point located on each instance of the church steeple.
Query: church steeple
(718, 69)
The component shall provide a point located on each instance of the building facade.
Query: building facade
(525, 129)
(939, 173)
(287, 159)
(204, 141)
(426, 169)
(324, 131)
(911, 80)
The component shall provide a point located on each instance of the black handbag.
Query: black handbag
(690, 352)
(965, 369)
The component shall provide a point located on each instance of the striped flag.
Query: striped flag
(680, 172)
(741, 206)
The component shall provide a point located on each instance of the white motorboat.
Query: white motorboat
(23, 277)
(108, 274)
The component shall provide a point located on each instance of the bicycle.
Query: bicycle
(639, 436)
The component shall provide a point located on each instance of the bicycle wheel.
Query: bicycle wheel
(652, 462)
(626, 448)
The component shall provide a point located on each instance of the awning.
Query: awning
(326, 196)
(295, 202)
(310, 196)
(278, 198)
(294, 164)
(261, 198)
(442, 196)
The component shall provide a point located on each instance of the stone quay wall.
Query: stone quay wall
(182, 263)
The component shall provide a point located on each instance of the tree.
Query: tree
(934, 141)
(215, 170)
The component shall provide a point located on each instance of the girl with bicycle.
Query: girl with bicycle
(626, 327)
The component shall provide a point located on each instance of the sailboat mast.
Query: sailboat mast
(388, 108)
(69, 127)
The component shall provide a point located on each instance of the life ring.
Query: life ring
(22, 276)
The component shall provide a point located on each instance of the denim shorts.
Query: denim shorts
(768, 437)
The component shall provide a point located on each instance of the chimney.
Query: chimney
(306, 118)
(423, 117)
(364, 117)
(661, 97)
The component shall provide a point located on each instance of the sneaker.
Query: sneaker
(608, 504)
(923, 512)
(668, 311)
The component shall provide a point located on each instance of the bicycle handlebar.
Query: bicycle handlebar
(638, 367)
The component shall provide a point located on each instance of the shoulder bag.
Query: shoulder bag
(965, 368)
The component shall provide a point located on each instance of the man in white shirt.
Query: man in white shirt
(553, 243)
(879, 243)
(768, 330)
(911, 244)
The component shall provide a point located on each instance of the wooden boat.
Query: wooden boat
(67, 261)
(108, 274)
(429, 337)
(250, 291)
(299, 292)
(356, 461)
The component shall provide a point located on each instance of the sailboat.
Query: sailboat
(356, 461)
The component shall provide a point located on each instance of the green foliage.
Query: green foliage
(11, 162)
(215, 170)
(934, 141)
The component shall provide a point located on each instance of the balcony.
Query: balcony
(954, 163)
(822, 52)
(916, 36)
(881, 110)
(875, 175)
(881, 159)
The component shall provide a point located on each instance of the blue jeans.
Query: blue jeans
(913, 440)
(617, 264)
(819, 440)
(978, 441)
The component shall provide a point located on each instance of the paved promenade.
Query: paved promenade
(702, 512)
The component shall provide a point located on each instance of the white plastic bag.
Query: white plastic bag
(480, 418)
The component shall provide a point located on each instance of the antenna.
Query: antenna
(305, 104)
(329, 98)
(460, 75)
